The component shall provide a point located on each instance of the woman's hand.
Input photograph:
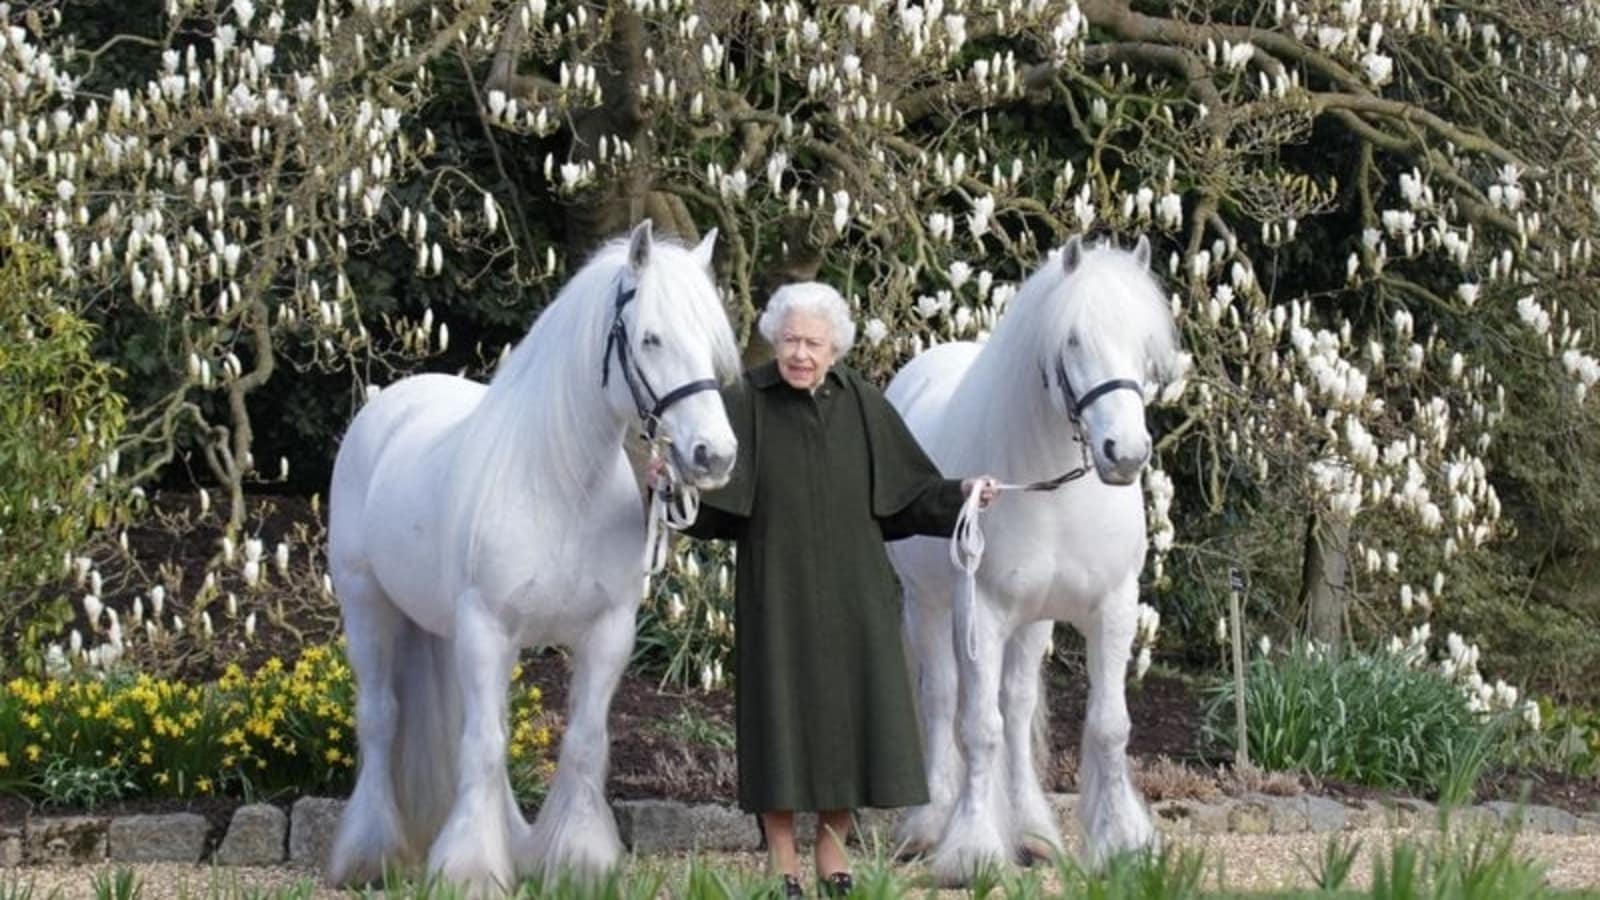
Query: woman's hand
(655, 473)
(986, 486)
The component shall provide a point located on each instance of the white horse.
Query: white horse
(467, 521)
(1066, 366)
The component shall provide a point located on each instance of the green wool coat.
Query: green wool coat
(824, 712)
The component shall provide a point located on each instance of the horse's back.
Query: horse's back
(921, 390)
(391, 442)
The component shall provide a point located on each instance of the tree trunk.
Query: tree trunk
(1322, 586)
(604, 212)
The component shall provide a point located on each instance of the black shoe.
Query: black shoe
(792, 889)
(837, 885)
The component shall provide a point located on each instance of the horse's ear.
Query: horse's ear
(1072, 254)
(639, 245)
(1141, 251)
(704, 250)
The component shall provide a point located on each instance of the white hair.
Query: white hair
(812, 298)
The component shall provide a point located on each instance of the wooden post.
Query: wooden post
(1241, 759)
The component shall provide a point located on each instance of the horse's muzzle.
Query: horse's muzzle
(1116, 468)
(707, 467)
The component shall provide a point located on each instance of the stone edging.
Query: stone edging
(261, 834)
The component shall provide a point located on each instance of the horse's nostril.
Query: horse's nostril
(1110, 448)
(702, 456)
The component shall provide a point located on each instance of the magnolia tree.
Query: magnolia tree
(1375, 221)
(204, 180)
(209, 183)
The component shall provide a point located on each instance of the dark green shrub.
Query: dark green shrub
(685, 631)
(60, 418)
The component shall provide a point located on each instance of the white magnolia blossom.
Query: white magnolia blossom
(979, 220)
(251, 567)
(1378, 68)
(56, 663)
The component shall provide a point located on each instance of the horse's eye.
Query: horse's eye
(1072, 341)
(650, 339)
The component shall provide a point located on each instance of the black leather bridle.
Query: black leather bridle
(649, 405)
(1075, 407)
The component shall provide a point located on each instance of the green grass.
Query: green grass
(690, 727)
(121, 883)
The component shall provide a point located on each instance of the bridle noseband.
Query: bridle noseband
(646, 402)
(1076, 404)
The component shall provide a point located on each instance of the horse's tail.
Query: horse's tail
(428, 732)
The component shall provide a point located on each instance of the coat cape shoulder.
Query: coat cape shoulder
(900, 468)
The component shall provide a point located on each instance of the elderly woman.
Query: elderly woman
(827, 472)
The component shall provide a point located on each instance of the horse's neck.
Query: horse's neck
(568, 444)
(581, 454)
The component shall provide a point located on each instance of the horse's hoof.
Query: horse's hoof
(909, 848)
(1033, 850)
(961, 868)
(477, 886)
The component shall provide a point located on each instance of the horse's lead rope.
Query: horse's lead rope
(966, 545)
(674, 503)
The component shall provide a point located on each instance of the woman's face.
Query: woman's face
(805, 349)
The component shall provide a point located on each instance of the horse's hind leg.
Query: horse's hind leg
(1033, 822)
(371, 832)
(927, 638)
(575, 830)
(473, 850)
(1113, 818)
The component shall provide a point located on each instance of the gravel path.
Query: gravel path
(1238, 862)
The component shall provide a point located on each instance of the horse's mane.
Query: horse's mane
(541, 425)
(1109, 298)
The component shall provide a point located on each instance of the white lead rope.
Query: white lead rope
(675, 514)
(966, 553)
(966, 547)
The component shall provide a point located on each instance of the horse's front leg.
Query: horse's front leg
(975, 836)
(1034, 828)
(1112, 815)
(927, 637)
(473, 850)
(575, 830)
